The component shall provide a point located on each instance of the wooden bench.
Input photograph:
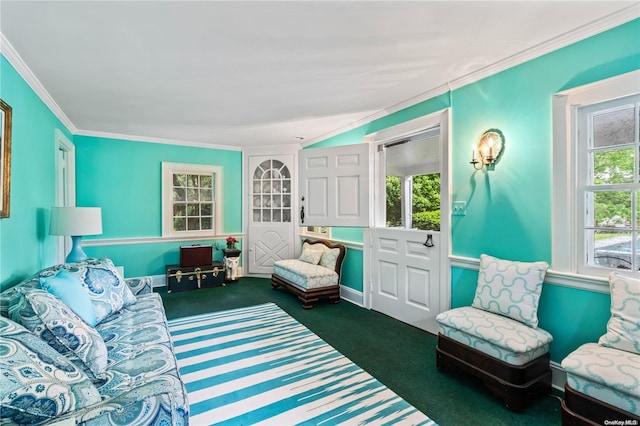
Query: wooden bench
(296, 282)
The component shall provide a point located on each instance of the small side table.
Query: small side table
(231, 259)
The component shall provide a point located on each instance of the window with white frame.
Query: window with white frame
(596, 224)
(316, 231)
(412, 181)
(608, 184)
(191, 200)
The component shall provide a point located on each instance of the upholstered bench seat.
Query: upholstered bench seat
(495, 335)
(305, 274)
(314, 275)
(606, 374)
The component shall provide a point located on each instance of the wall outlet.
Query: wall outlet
(459, 208)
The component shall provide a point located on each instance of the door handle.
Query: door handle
(429, 242)
(302, 214)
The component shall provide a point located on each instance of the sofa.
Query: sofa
(603, 378)
(81, 345)
(314, 275)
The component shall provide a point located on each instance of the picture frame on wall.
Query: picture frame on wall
(5, 157)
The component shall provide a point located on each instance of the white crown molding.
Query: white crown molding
(593, 28)
(606, 23)
(14, 58)
(25, 72)
(150, 139)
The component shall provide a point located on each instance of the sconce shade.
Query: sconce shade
(76, 221)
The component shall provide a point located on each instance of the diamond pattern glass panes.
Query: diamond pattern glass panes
(193, 203)
(271, 192)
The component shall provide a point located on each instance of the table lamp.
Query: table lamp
(76, 222)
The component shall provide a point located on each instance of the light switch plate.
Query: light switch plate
(459, 208)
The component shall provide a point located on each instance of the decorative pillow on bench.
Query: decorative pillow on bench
(623, 328)
(510, 288)
(328, 256)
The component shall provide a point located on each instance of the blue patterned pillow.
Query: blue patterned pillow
(54, 322)
(37, 382)
(66, 287)
(108, 291)
(511, 289)
(623, 328)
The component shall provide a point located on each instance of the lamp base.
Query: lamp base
(76, 254)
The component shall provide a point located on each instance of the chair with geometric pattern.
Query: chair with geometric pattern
(497, 338)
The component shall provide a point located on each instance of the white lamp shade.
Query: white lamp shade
(76, 221)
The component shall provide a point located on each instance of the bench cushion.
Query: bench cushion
(500, 337)
(305, 274)
(607, 374)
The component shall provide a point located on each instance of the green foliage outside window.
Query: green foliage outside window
(425, 200)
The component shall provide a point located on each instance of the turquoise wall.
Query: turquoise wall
(124, 178)
(509, 208)
(25, 244)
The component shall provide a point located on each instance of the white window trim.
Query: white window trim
(565, 256)
(65, 186)
(167, 195)
(305, 233)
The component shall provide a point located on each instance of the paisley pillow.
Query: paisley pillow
(108, 291)
(511, 289)
(54, 322)
(38, 383)
(623, 328)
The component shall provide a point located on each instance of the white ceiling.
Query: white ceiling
(268, 73)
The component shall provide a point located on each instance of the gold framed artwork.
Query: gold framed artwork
(5, 157)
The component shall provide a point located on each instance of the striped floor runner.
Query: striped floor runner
(258, 365)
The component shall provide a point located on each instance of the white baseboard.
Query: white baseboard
(558, 376)
(354, 296)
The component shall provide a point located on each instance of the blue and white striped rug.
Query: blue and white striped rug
(258, 365)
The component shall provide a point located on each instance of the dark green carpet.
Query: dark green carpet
(398, 355)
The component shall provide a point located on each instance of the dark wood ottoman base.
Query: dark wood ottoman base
(579, 409)
(515, 384)
(308, 297)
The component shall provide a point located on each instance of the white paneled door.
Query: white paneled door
(406, 275)
(271, 211)
(334, 186)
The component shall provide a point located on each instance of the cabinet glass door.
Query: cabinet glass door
(271, 196)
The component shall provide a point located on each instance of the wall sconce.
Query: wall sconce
(488, 149)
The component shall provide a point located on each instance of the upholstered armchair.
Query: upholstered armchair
(603, 379)
(497, 338)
